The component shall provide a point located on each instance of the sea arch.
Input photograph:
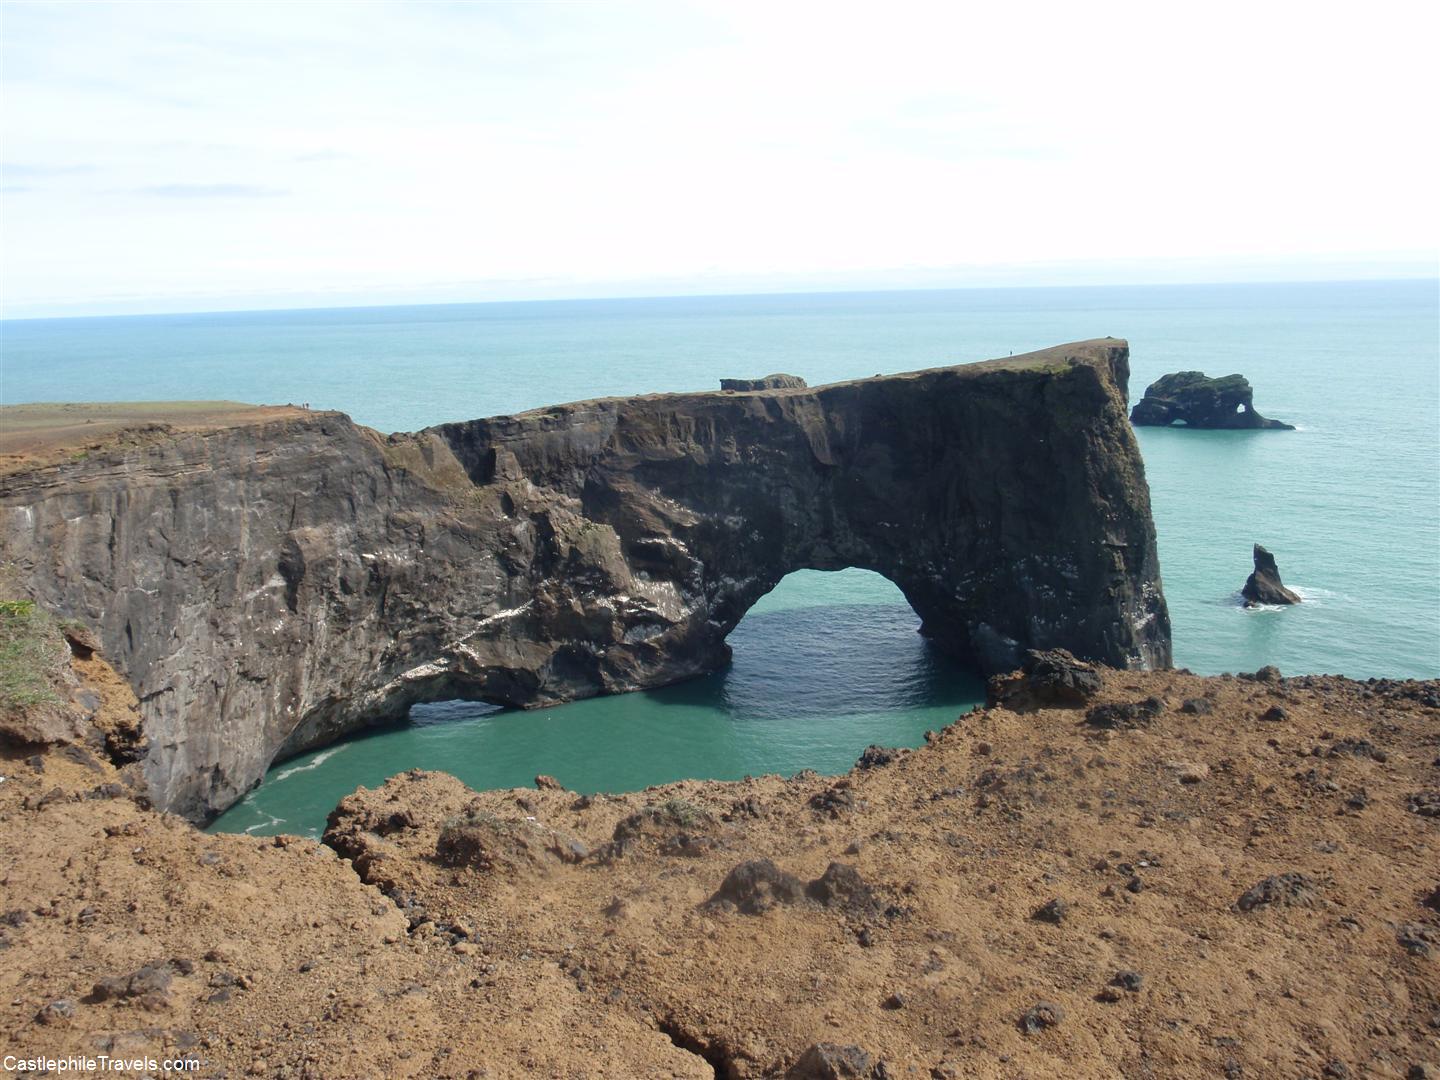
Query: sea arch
(271, 586)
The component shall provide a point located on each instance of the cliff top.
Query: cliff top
(47, 432)
(1097, 351)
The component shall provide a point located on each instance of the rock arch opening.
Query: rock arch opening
(827, 644)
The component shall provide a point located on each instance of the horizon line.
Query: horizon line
(1430, 277)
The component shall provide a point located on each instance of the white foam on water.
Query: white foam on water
(1309, 594)
(266, 824)
(314, 763)
(1313, 595)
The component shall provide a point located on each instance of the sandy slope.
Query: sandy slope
(545, 948)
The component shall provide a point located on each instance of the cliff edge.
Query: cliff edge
(269, 586)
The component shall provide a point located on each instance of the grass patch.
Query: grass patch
(30, 652)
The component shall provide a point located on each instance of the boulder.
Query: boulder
(829, 1061)
(1048, 679)
(841, 886)
(1282, 890)
(756, 886)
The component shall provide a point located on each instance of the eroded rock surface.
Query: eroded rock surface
(1194, 399)
(769, 382)
(269, 587)
(1264, 586)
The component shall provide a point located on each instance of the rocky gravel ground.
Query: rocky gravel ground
(1104, 874)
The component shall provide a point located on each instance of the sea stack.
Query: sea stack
(1193, 399)
(1263, 586)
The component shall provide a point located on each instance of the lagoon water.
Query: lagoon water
(828, 663)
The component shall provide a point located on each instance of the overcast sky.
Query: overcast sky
(193, 156)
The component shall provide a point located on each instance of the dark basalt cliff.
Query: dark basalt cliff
(1198, 401)
(268, 588)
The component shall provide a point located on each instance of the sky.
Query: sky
(205, 156)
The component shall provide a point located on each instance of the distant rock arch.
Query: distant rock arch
(1193, 399)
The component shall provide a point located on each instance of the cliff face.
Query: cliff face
(268, 588)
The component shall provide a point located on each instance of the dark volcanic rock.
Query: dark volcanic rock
(1424, 803)
(875, 757)
(1041, 1015)
(1128, 980)
(1049, 678)
(1052, 911)
(841, 886)
(769, 382)
(756, 886)
(1131, 714)
(1417, 939)
(1284, 890)
(834, 800)
(829, 1061)
(268, 588)
(1193, 399)
(1263, 586)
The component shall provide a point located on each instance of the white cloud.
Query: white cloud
(405, 147)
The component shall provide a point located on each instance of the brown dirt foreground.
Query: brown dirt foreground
(1018, 860)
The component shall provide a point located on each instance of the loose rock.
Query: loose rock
(1041, 1015)
(1052, 911)
(1283, 890)
(1135, 714)
(829, 1061)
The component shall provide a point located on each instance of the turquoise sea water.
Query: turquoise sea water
(1350, 503)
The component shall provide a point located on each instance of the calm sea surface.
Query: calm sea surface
(828, 663)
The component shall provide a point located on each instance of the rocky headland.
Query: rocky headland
(1103, 873)
(270, 582)
(1195, 400)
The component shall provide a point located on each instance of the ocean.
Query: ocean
(828, 663)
